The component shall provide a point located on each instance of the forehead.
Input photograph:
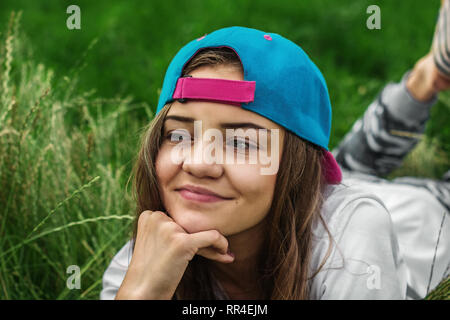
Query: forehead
(216, 113)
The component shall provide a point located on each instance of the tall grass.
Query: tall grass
(65, 157)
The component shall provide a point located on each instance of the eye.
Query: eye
(177, 136)
(242, 145)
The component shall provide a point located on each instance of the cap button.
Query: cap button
(267, 37)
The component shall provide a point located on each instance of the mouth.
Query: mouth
(199, 194)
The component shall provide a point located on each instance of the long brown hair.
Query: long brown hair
(284, 266)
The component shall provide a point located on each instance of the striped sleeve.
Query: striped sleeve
(389, 129)
(441, 39)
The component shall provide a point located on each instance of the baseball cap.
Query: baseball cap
(280, 83)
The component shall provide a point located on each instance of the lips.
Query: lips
(195, 193)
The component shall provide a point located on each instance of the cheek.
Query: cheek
(250, 182)
(256, 191)
(165, 168)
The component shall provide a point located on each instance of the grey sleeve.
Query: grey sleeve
(389, 129)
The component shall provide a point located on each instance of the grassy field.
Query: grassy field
(74, 102)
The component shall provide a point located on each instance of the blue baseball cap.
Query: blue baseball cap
(280, 83)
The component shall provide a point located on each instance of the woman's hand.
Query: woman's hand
(161, 254)
(425, 80)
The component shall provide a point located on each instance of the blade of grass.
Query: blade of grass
(71, 224)
(87, 185)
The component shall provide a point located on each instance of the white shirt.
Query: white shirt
(422, 226)
(384, 250)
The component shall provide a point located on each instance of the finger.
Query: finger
(148, 213)
(148, 220)
(162, 215)
(159, 216)
(213, 254)
(208, 238)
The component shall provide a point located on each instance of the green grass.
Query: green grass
(63, 198)
(73, 104)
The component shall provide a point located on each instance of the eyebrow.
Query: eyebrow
(225, 125)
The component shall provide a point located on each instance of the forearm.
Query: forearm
(388, 130)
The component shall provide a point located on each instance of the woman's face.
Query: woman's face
(243, 195)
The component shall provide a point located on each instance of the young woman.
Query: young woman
(232, 230)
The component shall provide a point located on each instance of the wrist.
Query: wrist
(136, 293)
(420, 82)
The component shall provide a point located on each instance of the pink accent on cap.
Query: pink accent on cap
(267, 37)
(332, 172)
(232, 92)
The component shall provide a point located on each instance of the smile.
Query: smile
(199, 194)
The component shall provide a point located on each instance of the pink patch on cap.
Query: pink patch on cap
(267, 37)
(231, 91)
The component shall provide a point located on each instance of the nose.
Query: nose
(200, 166)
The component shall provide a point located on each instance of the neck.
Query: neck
(242, 272)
